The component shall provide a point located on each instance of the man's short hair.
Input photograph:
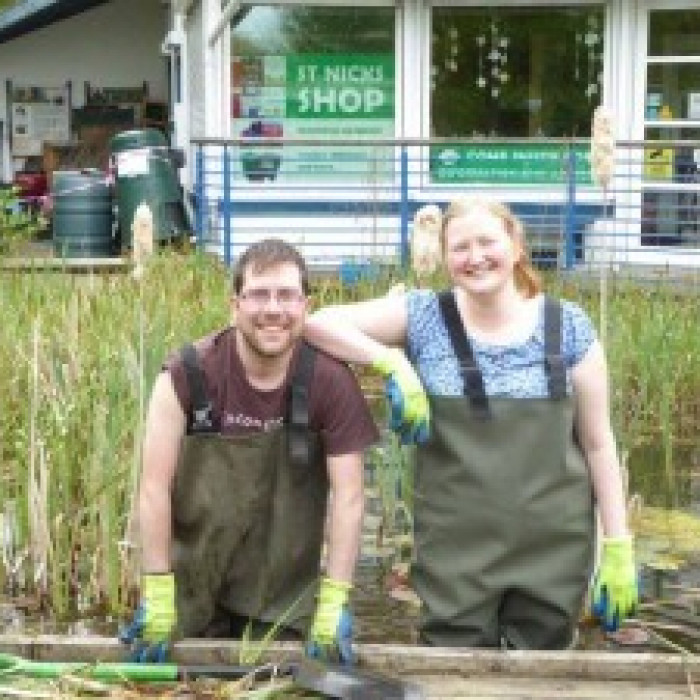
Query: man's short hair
(267, 253)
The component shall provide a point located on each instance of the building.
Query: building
(509, 76)
(74, 71)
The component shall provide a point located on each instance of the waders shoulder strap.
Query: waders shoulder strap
(553, 360)
(199, 418)
(471, 374)
(298, 408)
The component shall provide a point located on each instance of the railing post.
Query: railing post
(199, 214)
(570, 218)
(404, 205)
(227, 205)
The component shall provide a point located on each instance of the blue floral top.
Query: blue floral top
(515, 371)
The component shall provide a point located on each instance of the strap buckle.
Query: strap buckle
(474, 385)
(202, 419)
(556, 373)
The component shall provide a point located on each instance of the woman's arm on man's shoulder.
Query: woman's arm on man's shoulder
(359, 332)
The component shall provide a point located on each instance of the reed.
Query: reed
(653, 351)
(78, 354)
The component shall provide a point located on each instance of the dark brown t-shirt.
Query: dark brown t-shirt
(337, 408)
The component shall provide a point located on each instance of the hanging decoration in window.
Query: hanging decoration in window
(452, 49)
(589, 52)
(492, 60)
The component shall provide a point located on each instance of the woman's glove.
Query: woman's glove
(410, 412)
(615, 587)
(330, 636)
(151, 630)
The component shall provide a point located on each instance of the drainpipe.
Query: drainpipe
(175, 47)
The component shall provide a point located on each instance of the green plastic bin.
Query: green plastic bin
(82, 214)
(146, 172)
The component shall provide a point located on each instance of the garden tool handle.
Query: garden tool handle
(333, 680)
(116, 672)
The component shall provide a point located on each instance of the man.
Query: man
(249, 433)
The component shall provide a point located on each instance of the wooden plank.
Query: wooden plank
(523, 688)
(402, 660)
(55, 264)
(596, 665)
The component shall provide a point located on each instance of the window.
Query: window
(313, 73)
(511, 71)
(674, 33)
(673, 67)
(671, 199)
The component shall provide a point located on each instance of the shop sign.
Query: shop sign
(508, 163)
(340, 86)
(308, 96)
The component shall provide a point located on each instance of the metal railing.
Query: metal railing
(353, 201)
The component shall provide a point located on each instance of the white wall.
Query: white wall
(195, 71)
(113, 45)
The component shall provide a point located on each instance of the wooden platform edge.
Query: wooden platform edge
(56, 264)
(396, 659)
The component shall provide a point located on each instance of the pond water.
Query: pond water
(665, 515)
(669, 624)
(385, 612)
(665, 511)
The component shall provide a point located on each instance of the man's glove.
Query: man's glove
(410, 413)
(150, 631)
(615, 587)
(330, 636)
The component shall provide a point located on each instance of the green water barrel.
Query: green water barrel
(82, 214)
(146, 173)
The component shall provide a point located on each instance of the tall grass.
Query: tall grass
(78, 354)
(653, 350)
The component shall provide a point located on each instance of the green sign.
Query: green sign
(330, 97)
(508, 163)
(340, 86)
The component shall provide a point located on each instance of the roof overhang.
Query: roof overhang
(30, 15)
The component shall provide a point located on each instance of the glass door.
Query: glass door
(671, 172)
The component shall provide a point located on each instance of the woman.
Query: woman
(520, 445)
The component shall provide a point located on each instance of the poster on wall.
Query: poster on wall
(326, 97)
(38, 114)
(658, 164)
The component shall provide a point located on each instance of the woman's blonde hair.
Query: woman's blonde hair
(527, 280)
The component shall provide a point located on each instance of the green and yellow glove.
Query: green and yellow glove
(410, 412)
(330, 636)
(151, 630)
(615, 593)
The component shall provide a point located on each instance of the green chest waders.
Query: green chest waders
(248, 514)
(503, 510)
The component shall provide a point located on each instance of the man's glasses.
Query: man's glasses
(286, 297)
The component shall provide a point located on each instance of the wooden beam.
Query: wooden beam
(648, 667)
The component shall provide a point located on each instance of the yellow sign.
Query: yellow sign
(658, 164)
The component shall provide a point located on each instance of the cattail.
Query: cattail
(602, 147)
(396, 290)
(142, 236)
(425, 240)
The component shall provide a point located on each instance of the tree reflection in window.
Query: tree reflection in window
(512, 71)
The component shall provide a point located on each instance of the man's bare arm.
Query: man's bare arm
(165, 427)
(346, 506)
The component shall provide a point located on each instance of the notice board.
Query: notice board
(38, 114)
